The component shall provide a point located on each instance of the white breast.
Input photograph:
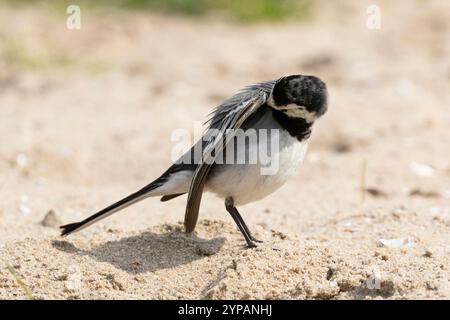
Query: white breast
(247, 182)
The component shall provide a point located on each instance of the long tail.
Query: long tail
(119, 205)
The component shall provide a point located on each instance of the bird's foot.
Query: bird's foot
(251, 245)
(252, 242)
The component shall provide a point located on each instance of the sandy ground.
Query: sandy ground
(87, 116)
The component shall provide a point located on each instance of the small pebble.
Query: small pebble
(206, 250)
(21, 160)
(402, 243)
(24, 209)
(51, 220)
(421, 169)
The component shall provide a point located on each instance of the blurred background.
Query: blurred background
(87, 114)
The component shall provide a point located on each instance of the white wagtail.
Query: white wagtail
(288, 106)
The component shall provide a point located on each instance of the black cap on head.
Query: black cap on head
(306, 91)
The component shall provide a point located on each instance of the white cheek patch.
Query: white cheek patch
(295, 111)
(270, 101)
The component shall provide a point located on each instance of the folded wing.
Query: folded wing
(227, 118)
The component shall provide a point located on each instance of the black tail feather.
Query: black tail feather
(170, 196)
(68, 228)
(119, 205)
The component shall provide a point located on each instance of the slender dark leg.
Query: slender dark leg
(229, 205)
(238, 215)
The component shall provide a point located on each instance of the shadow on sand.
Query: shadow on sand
(149, 251)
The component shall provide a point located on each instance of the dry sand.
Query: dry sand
(86, 117)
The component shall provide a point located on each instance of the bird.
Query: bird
(275, 115)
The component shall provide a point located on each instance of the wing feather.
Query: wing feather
(224, 123)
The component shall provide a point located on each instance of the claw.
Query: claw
(251, 245)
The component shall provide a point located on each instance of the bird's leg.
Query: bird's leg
(238, 215)
(229, 205)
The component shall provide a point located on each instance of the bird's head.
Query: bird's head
(300, 96)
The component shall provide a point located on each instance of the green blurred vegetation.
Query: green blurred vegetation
(240, 10)
(16, 52)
